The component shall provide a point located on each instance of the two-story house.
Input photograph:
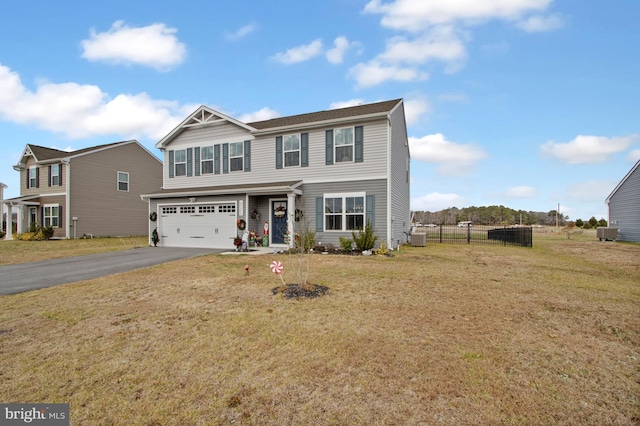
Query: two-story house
(89, 192)
(624, 206)
(330, 172)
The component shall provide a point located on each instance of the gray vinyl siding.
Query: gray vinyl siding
(101, 209)
(624, 208)
(263, 163)
(399, 179)
(43, 187)
(307, 203)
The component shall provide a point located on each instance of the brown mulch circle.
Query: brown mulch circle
(291, 291)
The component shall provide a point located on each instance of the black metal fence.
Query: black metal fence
(521, 236)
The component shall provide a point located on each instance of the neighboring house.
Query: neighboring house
(89, 192)
(329, 172)
(3, 209)
(624, 206)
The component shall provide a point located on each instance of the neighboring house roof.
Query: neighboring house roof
(624, 179)
(205, 116)
(44, 154)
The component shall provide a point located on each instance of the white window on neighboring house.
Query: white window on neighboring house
(181, 162)
(291, 148)
(236, 156)
(52, 215)
(32, 177)
(343, 144)
(123, 181)
(207, 160)
(344, 212)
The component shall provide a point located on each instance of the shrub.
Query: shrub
(2, 233)
(346, 244)
(36, 233)
(365, 240)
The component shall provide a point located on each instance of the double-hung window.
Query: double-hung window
(291, 145)
(123, 181)
(206, 158)
(180, 162)
(343, 144)
(54, 175)
(51, 215)
(32, 177)
(236, 156)
(344, 212)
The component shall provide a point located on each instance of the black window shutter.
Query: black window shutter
(247, 156)
(37, 177)
(225, 158)
(359, 145)
(278, 152)
(59, 174)
(28, 178)
(329, 146)
(50, 177)
(59, 216)
(304, 150)
(189, 161)
(319, 214)
(170, 164)
(371, 210)
(196, 154)
(216, 159)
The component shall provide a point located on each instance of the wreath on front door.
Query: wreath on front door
(280, 211)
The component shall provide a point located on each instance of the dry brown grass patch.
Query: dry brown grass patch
(436, 335)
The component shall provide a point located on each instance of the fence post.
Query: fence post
(468, 233)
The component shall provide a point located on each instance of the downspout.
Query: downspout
(67, 214)
(389, 198)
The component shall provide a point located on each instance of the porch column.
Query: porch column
(9, 225)
(291, 206)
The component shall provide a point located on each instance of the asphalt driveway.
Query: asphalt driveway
(46, 273)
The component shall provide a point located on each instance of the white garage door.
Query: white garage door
(197, 225)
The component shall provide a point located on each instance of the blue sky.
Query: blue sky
(524, 103)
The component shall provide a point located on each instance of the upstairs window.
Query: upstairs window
(291, 150)
(343, 143)
(32, 177)
(180, 164)
(206, 160)
(54, 175)
(123, 181)
(236, 156)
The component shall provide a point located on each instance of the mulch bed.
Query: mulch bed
(291, 291)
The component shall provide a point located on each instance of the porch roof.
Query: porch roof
(251, 189)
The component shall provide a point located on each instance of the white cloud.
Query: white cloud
(541, 23)
(594, 190)
(634, 156)
(80, 111)
(336, 55)
(588, 149)
(375, 72)
(441, 43)
(260, 115)
(521, 192)
(436, 201)
(241, 32)
(154, 46)
(300, 53)
(453, 159)
(415, 109)
(345, 104)
(416, 15)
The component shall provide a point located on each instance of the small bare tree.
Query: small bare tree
(300, 250)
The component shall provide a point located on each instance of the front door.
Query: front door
(33, 217)
(278, 221)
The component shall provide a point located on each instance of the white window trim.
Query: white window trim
(56, 216)
(204, 160)
(55, 172)
(241, 156)
(285, 151)
(176, 162)
(344, 196)
(352, 145)
(119, 181)
(32, 173)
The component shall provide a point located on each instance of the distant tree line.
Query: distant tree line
(501, 215)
